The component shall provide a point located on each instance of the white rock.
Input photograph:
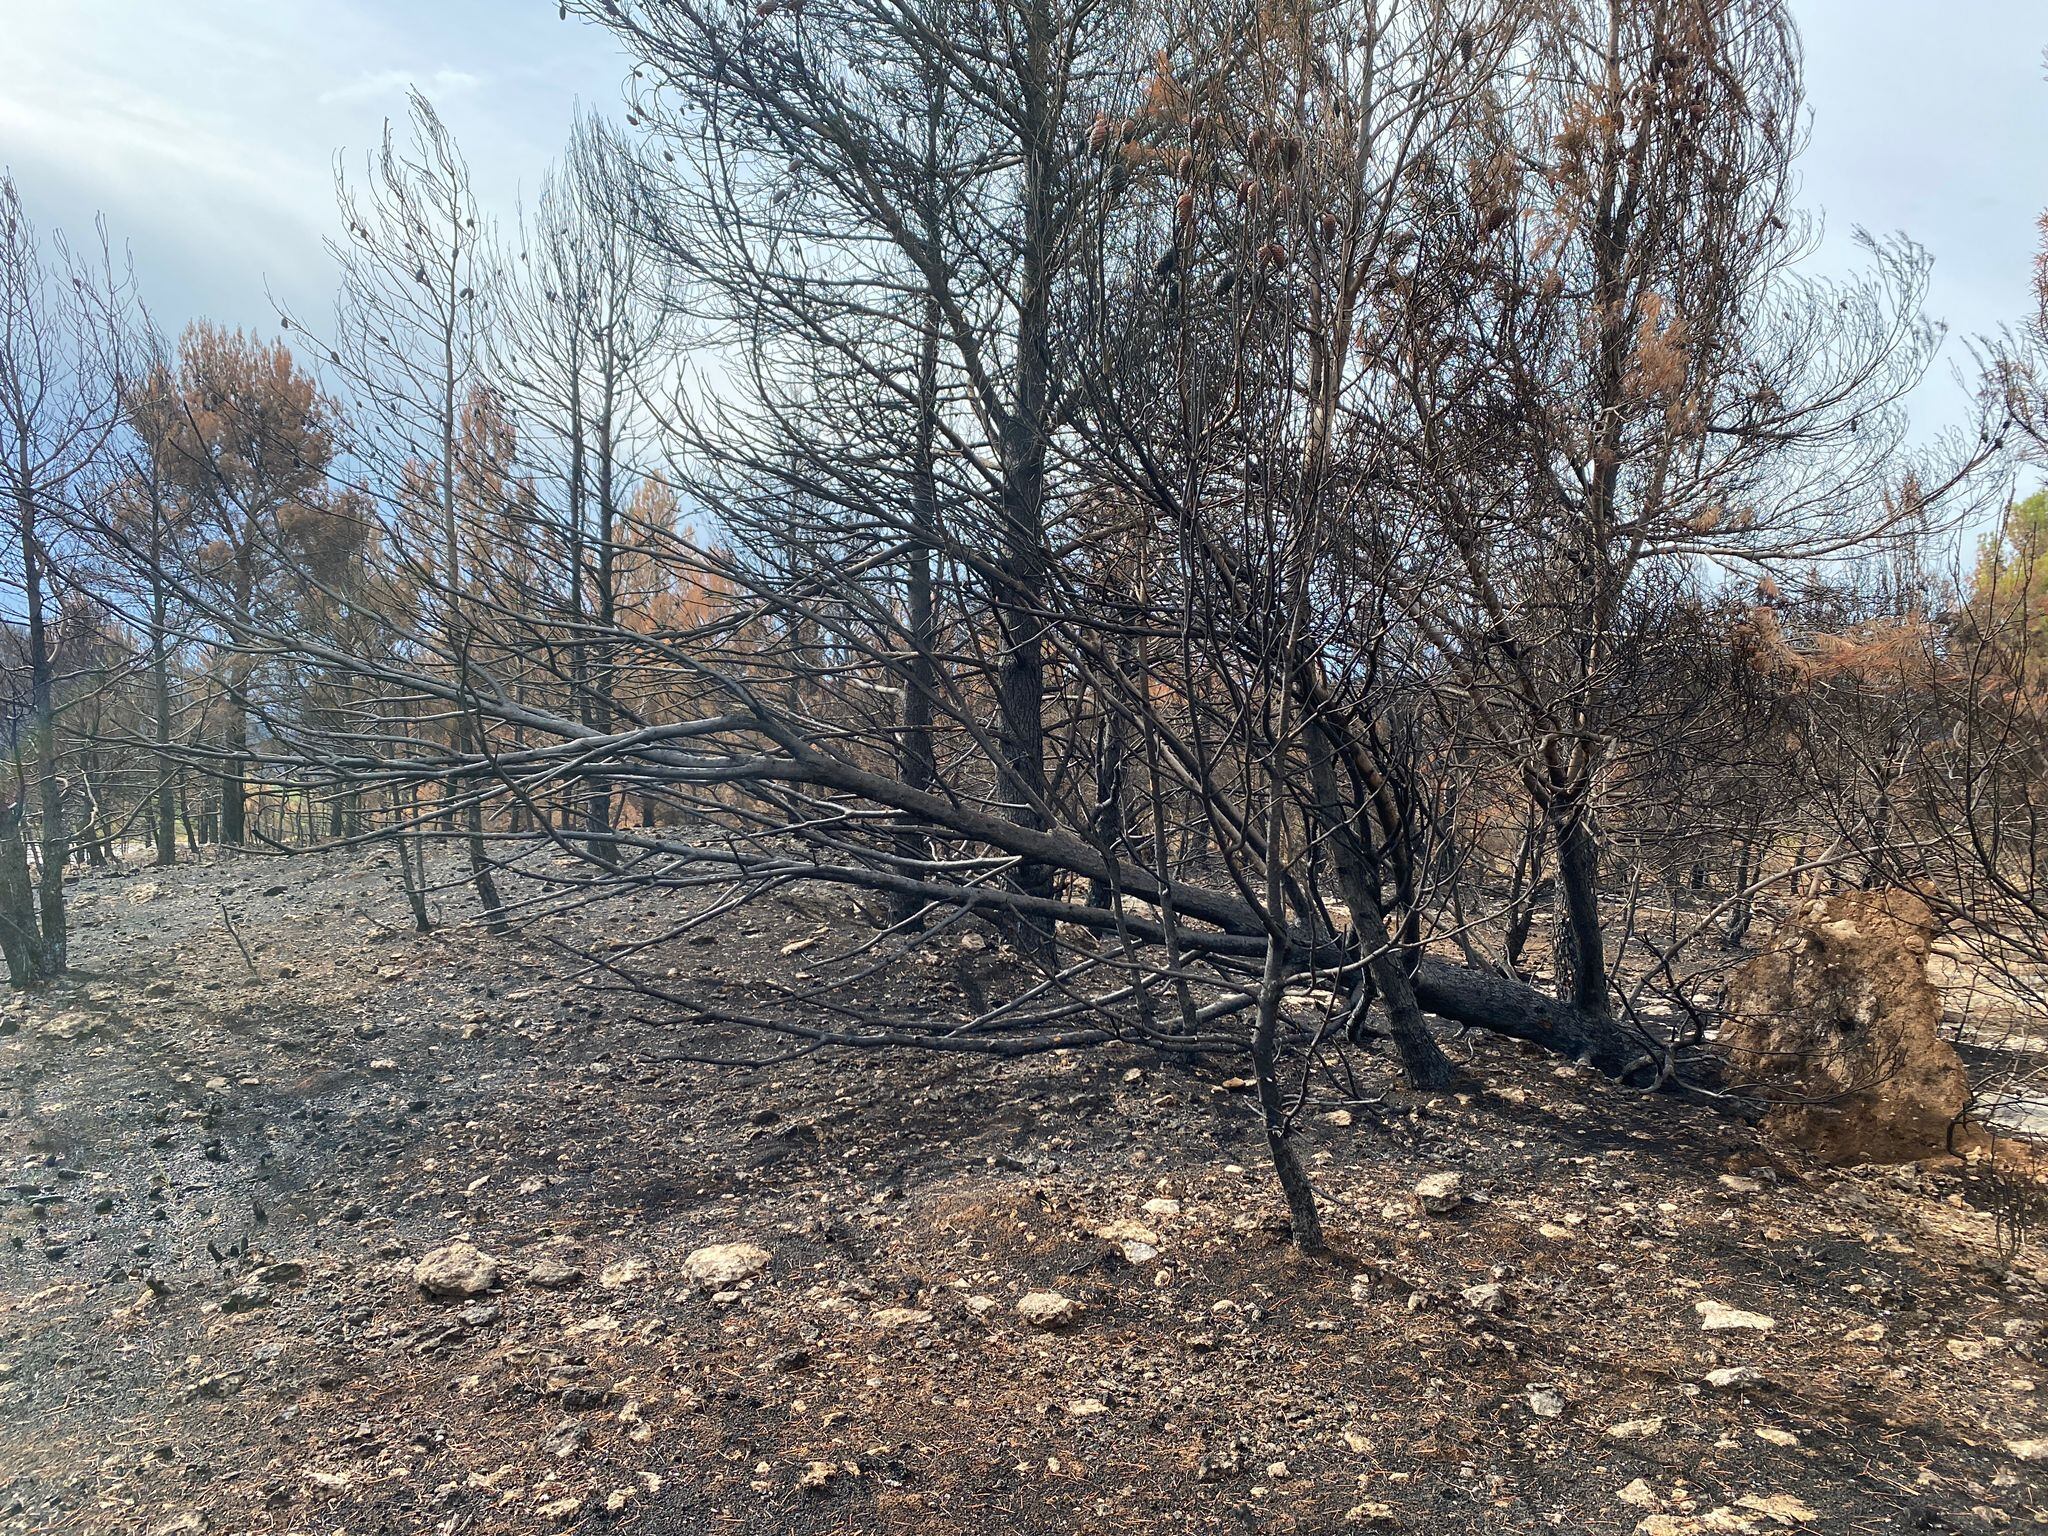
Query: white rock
(817, 1477)
(1438, 1193)
(899, 1317)
(1779, 1508)
(456, 1269)
(1163, 1205)
(982, 1306)
(2028, 1450)
(1717, 1316)
(1048, 1309)
(1640, 1495)
(722, 1266)
(1546, 1402)
(1129, 1232)
(1635, 1429)
(624, 1272)
(1729, 1377)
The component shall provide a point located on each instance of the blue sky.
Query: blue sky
(206, 130)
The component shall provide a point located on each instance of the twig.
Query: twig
(247, 958)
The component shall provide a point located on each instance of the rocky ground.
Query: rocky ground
(317, 1225)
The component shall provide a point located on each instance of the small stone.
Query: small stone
(982, 1306)
(1086, 1408)
(1729, 1377)
(899, 1317)
(1546, 1402)
(1771, 1435)
(721, 1266)
(282, 1272)
(1869, 1333)
(1162, 1206)
(566, 1439)
(818, 1477)
(1128, 1231)
(247, 1298)
(1640, 1495)
(553, 1273)
(1048, 1309)
(456, 1269)
(1373, 1512)
(1138, 1242)
(1490, 1298)
(1779, 1508)
(1438, 1194)
(1635, 1429)
(2028, 1450)
(624, 1272)
(1718, 1317)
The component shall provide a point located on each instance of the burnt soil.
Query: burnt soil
(220, 1172)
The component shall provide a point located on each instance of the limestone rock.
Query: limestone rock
(456, 1269)
(721, 1266)
(624, 1272)
(818, 1477)
(1717, 1316)
(554, 1273)
(1048, 1309)
(1490, 1298)
(899, 1317)
(1439, 1193)
(1837, 1025)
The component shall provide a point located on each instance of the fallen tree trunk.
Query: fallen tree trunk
(1218, 921)
(1488, 1001)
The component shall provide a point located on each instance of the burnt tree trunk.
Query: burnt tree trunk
(1346, 835)
(1578, 944)
(1304, 1224)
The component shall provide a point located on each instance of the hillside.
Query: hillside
(223, 1171)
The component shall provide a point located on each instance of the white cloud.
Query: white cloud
(441, 84)
(207, 131)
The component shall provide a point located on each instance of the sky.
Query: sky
(206, 131)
